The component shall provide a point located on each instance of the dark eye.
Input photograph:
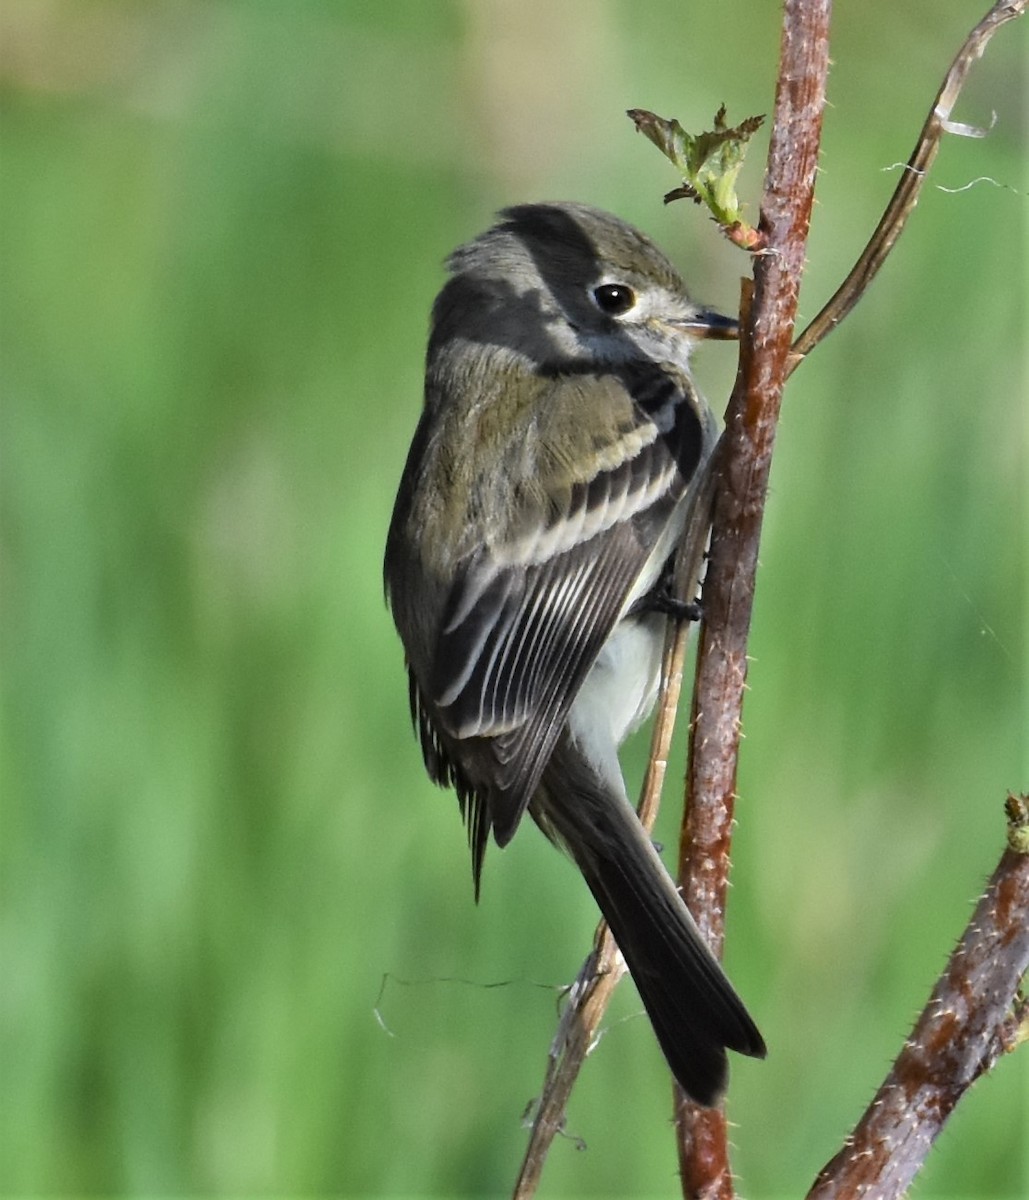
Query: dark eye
(614, 298)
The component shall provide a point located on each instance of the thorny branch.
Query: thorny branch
(968, 1023)
(749, 436)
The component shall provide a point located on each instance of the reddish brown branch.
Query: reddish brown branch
(729, 588)
(963, 1029)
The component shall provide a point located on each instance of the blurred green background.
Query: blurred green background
(223, 224)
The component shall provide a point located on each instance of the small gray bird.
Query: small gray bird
(527, 568)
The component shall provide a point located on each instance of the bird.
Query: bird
(527, 568)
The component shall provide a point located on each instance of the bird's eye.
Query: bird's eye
(614, 298)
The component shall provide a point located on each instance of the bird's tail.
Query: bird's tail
(695, 1012)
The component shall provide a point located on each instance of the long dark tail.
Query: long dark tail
(692, 1006)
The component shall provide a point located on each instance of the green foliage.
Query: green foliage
(222, 229)
(709, 163)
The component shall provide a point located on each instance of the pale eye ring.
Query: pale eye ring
(614, 299)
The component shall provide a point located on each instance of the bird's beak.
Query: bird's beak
(710, 324)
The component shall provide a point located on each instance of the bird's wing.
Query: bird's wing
(533, 603)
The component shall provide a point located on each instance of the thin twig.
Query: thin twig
(905, 197)
(604, 967)
(587, 999)
(966, 1025)
(729, 587)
